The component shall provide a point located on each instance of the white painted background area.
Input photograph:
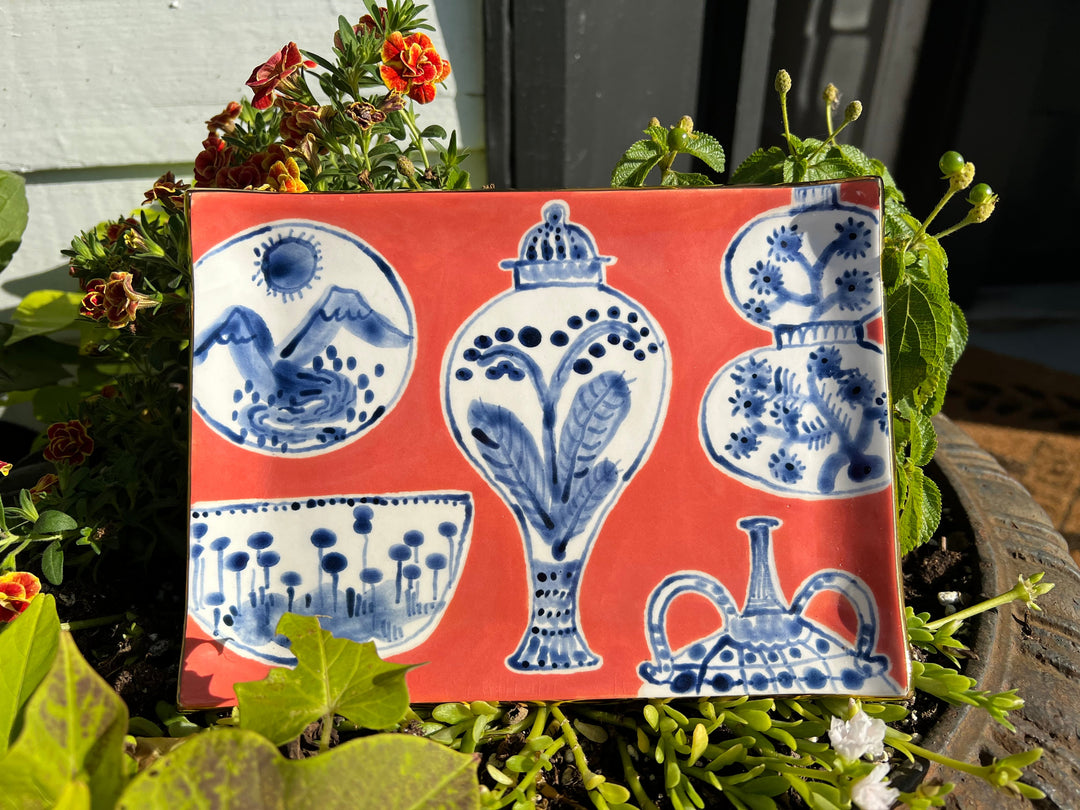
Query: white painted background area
(99, 97)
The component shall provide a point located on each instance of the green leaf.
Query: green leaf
(686, 179)
(856, 160)
(763, 166)
(433, 131)
(916, 339)
(53, 522)
(52, 563)
(920, 510)
(27, 648)
(33, 363)
(636, 163)
(44, 311)
(332, 676)
(236, 768)
(14, 214)
(73, 731)
(923, 439)
(706, 149)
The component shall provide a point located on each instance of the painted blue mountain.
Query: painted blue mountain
(340, 309)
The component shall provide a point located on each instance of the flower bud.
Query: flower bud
(831, 95)
(853, 111)
(405, 166)
(686, 124)
(783, 81)
(962, 179)
(981, 213)
(654, 121)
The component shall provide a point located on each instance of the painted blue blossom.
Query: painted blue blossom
(757, 311)
(787, 414)
(785, 243)
(786, 467)
(765, 278)
(742, 444)
(853, 289)
(857, 389)
(853, 239)
(750, 404)
(824, 362)
(755, 374)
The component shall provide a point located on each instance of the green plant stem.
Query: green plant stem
(324, 736)
(1025, 590)
(633, 780)
(787, 127)
(418, 141)
(915, 237)
(85, 624)
(590, 779)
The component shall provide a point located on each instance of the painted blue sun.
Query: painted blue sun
(287, 265)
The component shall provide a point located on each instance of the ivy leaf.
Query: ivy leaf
(636, 163)
(27, 648)
(706, 149)
(73, 732)
(332, 676)
(234, 768)
(763, 166)
(920, 510)
(14, 213)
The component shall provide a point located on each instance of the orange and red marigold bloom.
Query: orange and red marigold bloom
(113, 299)
(412, 66)
(266, 77)
(68, 441)
(5, 467)
(17, 591)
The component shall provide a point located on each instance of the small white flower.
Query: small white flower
(873, 792)
(860, 736)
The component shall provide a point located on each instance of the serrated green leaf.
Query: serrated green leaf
(892, 264)
(857, 160)
(916, 340)
(54, 522)
(44, 311)
(52, 563)
(14, 214)
(332, 676)
(763, 166)
(73, 731)
(830, 169)
(920, 511)
(686, 180)
(923, 439)
(897, 221)
(636, 163)
(27, 648)
(658, 135)
(237, 768)
(706, 149)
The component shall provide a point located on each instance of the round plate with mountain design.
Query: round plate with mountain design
(304, 338)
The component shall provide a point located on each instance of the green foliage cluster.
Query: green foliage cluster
(925, 330)
(66, 739)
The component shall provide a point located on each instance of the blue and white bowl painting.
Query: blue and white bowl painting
(304, 338)
(377, 568)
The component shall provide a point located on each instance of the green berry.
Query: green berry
(676, 139)
(980, 194)
(951, 163)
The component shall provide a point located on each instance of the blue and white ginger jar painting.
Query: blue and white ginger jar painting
(555, 391)
(319, 350)
(807, 416)
(377, 568)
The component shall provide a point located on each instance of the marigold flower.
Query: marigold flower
(285, 176)
(168, 191)
(297, 121)
(43, 486)
(225, 121)
(5, 467)
(68, 441)
(266, 77)
(412, 66)
(114, 300)
(17, 591)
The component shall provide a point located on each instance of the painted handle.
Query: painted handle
(696, 582)
(856, 592)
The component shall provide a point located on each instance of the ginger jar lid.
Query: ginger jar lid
(557, 251)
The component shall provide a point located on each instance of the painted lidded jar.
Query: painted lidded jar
(556, 391)
(807, 416)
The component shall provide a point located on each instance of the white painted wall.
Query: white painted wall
(99, 97)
